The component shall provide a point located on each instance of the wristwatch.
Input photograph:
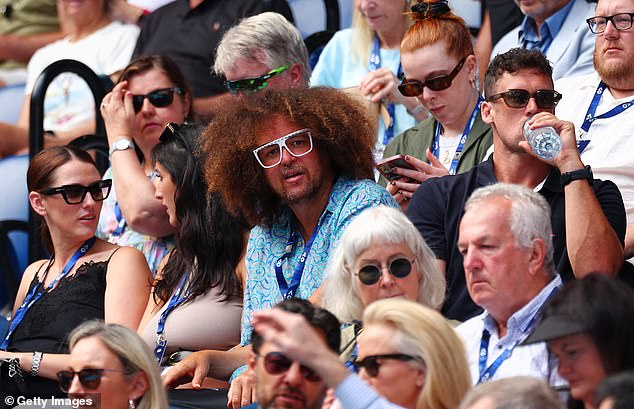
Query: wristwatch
(35, 363)
(584, 173)
(121, 145)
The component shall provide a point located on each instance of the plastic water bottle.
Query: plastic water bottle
(545, 142)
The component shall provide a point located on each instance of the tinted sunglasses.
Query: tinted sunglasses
(298, 143)
(277, 363)
(90, 378)
(75, 194)
(171, 133)
(372, 365)
(412, 88)
(518, 98)
(159, 98)
(371, 274)
(253, 84)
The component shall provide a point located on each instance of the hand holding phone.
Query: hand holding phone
(387, 165)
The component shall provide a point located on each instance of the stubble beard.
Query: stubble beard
(616, 74)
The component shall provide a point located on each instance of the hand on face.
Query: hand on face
(381, 85)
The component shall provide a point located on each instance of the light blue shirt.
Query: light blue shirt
(528, 36)
(353, 393)
(267, 244)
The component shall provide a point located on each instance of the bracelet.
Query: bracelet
(35, 363)
(420, 108)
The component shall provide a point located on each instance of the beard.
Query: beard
(617, 74)
(305, 192)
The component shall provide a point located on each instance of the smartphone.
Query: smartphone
(387, 165)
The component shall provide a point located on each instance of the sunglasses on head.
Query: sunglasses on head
(277, 363)
(412, 88)
(372, 365)
(519, 98)
(88, 377)
(370, 274)
(171, 133)
(75, 194)
(160, 98)
(253, 84)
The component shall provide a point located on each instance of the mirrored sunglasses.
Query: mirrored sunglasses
(90, 378)
(519, 98)
(371, 274)
(620, 21)
(372, 365)
(75, 194)
(159, 98)
(412, 88)
(298, 143)
(277, 363)
(253, 84)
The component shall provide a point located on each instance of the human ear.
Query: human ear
(37, 203)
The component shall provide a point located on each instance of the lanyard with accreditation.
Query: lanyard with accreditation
(592, 109)
(175, 301)
(375, 64)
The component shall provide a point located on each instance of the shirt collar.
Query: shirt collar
(551, 25)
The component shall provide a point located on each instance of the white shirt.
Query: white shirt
(531, 360)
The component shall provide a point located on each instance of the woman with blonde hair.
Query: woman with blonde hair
(408, 354)
(114, 362)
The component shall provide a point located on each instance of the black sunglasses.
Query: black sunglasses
(518, 98)
(372, 365)
(371, 273)
(88, 377)
(412, 88)
(75, 194)
(159, 98)
(277, 363)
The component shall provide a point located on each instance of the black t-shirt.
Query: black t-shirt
(190, 36)
(437, 207)
(505, 16)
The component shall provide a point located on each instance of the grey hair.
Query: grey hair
(268, 38)
(517, 392)
(379, 224)
(134, 354)
(530, 215)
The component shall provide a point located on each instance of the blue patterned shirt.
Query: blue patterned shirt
(267, 244)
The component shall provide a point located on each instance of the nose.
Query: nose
(470, 260)
(147, 107)
(610, 30)
(287, 157)
(387, 279)
(88, 200)
(531, 108)
(364, 375)
(157, 189)
(426, 95)
(76, 386)
(294, 375)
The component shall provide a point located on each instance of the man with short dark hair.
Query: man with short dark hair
(588, 217)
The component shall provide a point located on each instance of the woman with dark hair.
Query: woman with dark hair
(201, 276)
(588, 326)
(151, 93)
(85, 278)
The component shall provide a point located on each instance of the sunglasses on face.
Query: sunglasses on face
(90, 378)
(519, 98)
(371, 274)
(412, 88)
(620, 21)
(160, 98)
(277, 363)
(253, 84)
(372, 365)
(298, 143)
(75, 194)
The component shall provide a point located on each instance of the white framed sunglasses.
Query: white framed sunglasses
(298, 143)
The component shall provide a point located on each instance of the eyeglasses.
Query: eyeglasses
(412, 88)
(75, 194)
(371, 273)
(253, 84)
(372, 365)
(518, 98)
(298, 143)
(621, 21)
(88, 377)
(159, 98)
(277, 363)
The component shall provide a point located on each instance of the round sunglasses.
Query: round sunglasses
(277, 363)
(159, 98)
(372, 365)
(519, 98)
(90, 378)
(370, 274)
(412, 88)
(75, 194)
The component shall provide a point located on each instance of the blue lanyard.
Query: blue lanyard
(289, 290)
(592, 109)
(35, 295)
(463, 139)
(175, 301)
(487, 372)
(375, 64)
(118, 231)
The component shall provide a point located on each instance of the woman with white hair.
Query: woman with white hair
(112, 362)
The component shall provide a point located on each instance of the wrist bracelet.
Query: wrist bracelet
(35, 363)
(420, 108)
